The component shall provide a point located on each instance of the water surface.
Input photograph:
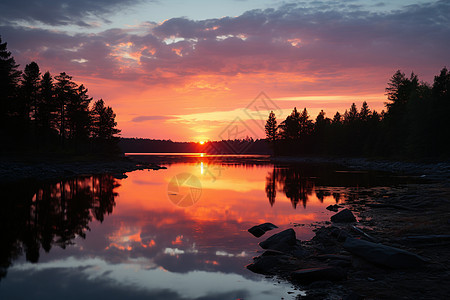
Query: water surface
(97, 236)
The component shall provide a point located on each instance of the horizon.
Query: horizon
(173, 71)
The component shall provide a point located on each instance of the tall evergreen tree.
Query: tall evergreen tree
(30, 90)
(65, 90)
(271, 128)
(364, 113)
(47, 112)
(9, 80)
(78, 116)
(103, 122)
(291, 126)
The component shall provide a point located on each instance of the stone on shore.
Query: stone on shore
(319, 274)
(284, 241)
(344, 216)
(260, 229)
(383, 255)
(273, 263)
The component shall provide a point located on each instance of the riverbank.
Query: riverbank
(13, 168)
(413, 218)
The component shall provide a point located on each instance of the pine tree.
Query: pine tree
(9, 80)
(271, 128)
(65, 90)
(337, 119)
(78, 115)
(103, 122)
(364, 113)
(47, 112)
(30, 90)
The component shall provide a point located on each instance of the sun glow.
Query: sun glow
(201, 142)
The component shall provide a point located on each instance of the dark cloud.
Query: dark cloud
(318, 39)
(61, 12)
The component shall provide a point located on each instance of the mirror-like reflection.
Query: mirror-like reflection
(131, 239)
(35, 216)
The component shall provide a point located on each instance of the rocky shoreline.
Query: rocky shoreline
(398, 247)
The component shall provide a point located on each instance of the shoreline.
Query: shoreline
(16, 167)
(412, 217)
(438, 170)
(23, 168)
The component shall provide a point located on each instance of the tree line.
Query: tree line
(42, 113)
(415, 125)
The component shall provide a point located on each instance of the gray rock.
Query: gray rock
(283, 241)
(383, 255)
(273, 264)
(319, 274)
(259, 230)
(344, 216)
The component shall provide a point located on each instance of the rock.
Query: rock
(283, 241)
(259, 230)
(333, 207)
(273, 264)
(344, 216)
(333, 257)
(272, 252)
(319, 274)
(354, 296)
(433, 238)
(383, 255)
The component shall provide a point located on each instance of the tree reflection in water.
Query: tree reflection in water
(35, 215)
(292, 182)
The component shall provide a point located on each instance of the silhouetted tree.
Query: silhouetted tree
(78, 116)
(47, 113)
(104, 129)
(290, 128)
(30, 90)
(364, 113)
(351, 116)
(65, 90)
(271, 128)
(9, 79)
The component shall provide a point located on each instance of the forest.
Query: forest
(46, 114)
(415, 125)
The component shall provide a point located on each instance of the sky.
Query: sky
(209, 70)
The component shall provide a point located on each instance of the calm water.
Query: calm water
(179, 233)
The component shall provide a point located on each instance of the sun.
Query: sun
(201, 142)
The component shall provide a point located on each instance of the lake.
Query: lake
(175, 233)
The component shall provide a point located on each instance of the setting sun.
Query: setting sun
(201, 142)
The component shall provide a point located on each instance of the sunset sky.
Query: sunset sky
(190, 70)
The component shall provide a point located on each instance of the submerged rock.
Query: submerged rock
(259, 230)
(319, 274)
(284, 241)
(344, 216)
(383, 255)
